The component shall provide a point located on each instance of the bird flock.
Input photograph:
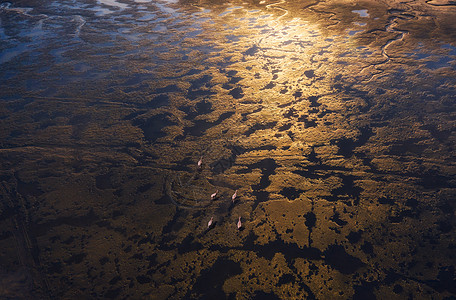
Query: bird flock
(211, 222)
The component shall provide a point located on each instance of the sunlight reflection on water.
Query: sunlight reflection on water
(362, 13)
(333, 121)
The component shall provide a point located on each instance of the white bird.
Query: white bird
(214, 195)
(200, 162)
(234, 196)
(209, 224)
(239, 223)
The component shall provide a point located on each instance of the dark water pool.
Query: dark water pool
(334, 121)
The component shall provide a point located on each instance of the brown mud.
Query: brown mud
(334, 120)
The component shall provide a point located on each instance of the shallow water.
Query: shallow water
(334, 120)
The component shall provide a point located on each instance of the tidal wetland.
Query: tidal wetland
(196, 149)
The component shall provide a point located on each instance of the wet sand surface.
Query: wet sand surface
(334, 121)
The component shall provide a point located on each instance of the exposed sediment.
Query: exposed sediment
(334, 120)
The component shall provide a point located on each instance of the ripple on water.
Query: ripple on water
(147, 17)
(9, 54)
